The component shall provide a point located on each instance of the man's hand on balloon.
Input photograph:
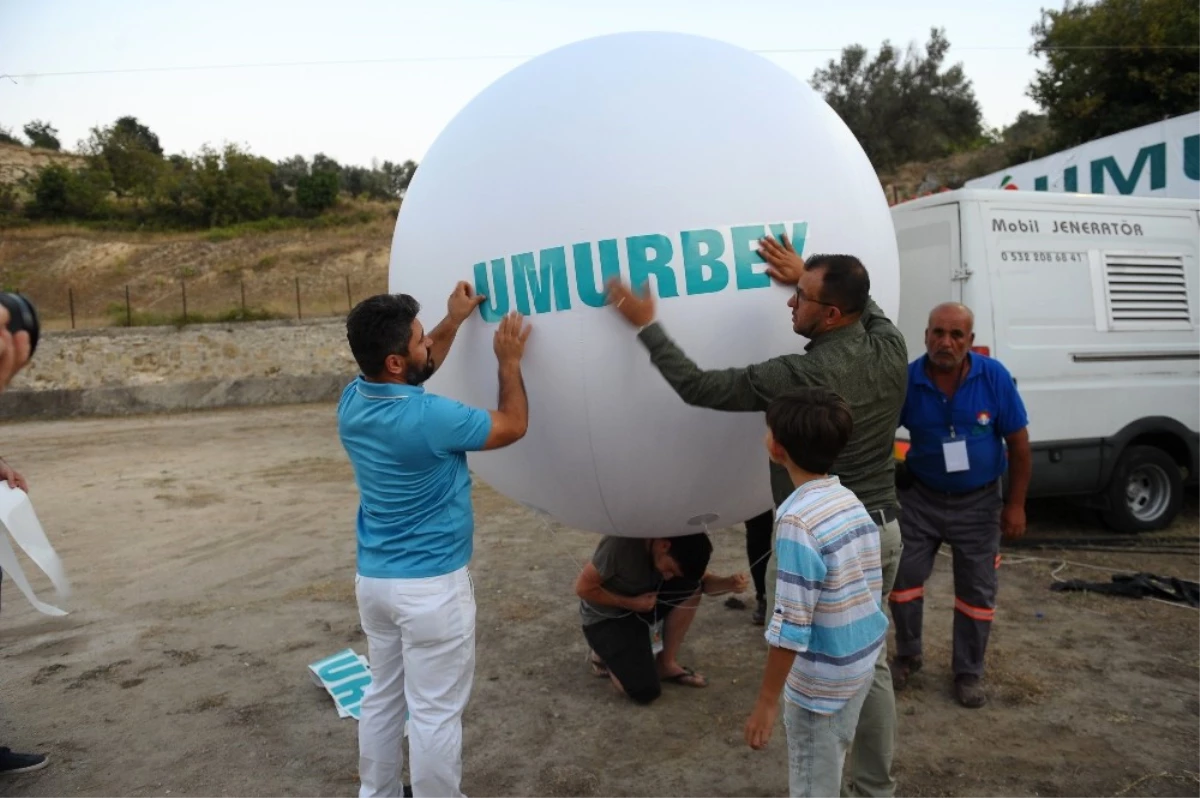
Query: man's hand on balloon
(510, 338)
(783, 262)
(462, 302)
(637, 310)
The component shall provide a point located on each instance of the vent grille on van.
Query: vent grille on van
(1146, 292)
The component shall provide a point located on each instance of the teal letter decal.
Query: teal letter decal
(550, 273)
(694, 261)
(592, 293)
(497, 301)
(642, 265)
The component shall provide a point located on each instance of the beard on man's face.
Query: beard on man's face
(417, 374)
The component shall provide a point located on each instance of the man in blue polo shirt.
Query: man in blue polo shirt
(415, 532)
(961, 410)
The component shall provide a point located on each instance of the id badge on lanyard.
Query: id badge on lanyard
(954, 448)
(656, 636)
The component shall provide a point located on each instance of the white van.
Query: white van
(1091, 303)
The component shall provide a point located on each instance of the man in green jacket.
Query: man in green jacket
(855, 350)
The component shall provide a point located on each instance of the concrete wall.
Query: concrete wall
(121, 371)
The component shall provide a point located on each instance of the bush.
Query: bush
(317, 192)
(60, 192)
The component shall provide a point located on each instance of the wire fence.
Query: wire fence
(182, 301)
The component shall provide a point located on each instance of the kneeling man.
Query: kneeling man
(637, 599)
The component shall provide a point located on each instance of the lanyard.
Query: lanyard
(963, 370)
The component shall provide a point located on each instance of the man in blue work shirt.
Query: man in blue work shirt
(960, 410)
(415, 532)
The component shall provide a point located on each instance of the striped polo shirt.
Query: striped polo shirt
(827, 594)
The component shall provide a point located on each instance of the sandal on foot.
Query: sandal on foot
(687, 677)
(598, 667)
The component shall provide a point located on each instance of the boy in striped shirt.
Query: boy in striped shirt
(827, 625)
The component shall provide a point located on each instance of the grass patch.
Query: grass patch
(274, 224)
(119, 317)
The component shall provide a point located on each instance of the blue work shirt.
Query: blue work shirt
(985, 409)
(408, 449)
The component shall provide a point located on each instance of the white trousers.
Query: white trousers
(421, 649)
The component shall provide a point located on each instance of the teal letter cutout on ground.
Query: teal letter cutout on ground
(695, 261)
(341, 668)
(535, 283)
(642, 265)
(497, 301)
(591, 291)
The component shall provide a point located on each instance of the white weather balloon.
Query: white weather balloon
(659, 157)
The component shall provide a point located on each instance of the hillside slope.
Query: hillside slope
(44, 262)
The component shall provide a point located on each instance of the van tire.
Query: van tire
(1146, 490)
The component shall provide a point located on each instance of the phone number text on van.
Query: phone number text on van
(1043, 257)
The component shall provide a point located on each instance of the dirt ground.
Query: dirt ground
(212, 559)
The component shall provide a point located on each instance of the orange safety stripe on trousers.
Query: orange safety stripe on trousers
(905, 596)
(974, 613)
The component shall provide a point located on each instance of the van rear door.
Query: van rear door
(929, 244)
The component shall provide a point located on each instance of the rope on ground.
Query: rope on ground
(1062, 565)
(1166, 774)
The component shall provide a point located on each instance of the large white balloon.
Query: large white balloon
(659, 157)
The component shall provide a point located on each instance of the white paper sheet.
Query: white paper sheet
(18, 517)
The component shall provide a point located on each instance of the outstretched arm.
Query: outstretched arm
(462, 301)
(748, 389)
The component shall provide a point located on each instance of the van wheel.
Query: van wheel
(1146, 490)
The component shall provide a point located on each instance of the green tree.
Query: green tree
(1029, 137)
(175, 192)
(231, 186)
(398, 176)
(63, 193)
(323, 163)
(902, 106)
(130, 152)
(6, 137)
(41, 134)
(317, 192)
(1116, 65)
(354, 180)
(289, 171)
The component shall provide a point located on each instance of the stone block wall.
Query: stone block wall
(120, 371)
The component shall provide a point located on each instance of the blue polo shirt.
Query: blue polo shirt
(408, 449)
(985, 409)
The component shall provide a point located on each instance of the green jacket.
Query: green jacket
(865, 362)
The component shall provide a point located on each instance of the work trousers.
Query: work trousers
(421, 650)
(970, 524)
(870, 770)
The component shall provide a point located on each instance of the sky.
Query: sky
(430, 59)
